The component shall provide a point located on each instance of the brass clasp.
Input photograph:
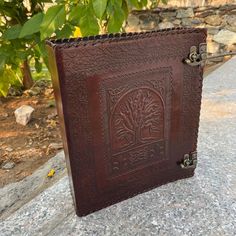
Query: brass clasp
(189, 161)
(197, 55)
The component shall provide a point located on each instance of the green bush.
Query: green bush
(24, 27)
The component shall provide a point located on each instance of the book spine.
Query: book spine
(56, 72)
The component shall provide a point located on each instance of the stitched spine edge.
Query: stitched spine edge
(108, 38)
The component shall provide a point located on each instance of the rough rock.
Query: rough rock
(213, 30)
(165, 25)
(225, 37)
(231, 20)
(133, 20)
(130, 28)
(8, 165)
(231, 28)
(13, 91)
(149, 22)
(35, 91)
(132, 23)
(149, 26)
(196, 21)
(231, 48)
(23, 114)
(168, 14)
(55, 146)
(186, 22)
(176, 22)
(205, 13)
(201, 25)
(9, 149)
(214, 20)
(227, 7)
(212, 47)
(184, 13)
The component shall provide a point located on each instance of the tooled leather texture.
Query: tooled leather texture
(130, 110)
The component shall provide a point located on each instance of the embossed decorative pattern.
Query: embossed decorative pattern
(137, 129)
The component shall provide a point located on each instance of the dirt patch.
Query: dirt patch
(28, 147)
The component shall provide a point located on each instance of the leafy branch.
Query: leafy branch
(24, 27)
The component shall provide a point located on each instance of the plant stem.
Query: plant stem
(26, 74)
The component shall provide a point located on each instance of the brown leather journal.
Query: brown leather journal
(129, 110)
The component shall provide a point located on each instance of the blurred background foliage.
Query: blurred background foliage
(25, 24)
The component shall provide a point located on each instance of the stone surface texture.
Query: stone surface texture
(14, 195)
(165, 25)
(202, 205)
(23, 114)
(184, 13)
(213, 20)
(225, 37)
(213, 47)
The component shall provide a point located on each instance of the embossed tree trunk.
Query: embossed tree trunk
(138, 135)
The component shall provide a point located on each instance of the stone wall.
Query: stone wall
(191, 3)
(220, 22)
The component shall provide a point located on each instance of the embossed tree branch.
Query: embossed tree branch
(138, 112)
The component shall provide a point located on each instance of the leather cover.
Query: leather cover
(129, 111)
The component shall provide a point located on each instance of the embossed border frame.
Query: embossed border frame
(113, 81)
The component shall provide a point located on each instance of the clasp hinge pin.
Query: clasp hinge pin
(189, 161)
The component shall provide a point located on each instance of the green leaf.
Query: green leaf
(99, 7)
(38, 65)
(125, 8)
(65, 32)
(76, 13)
(7, 78)
(116, 19)
(137, 4)
(164, 1)
(2, 62)
(21, 54)
(12, 33)
(145, 2)
(52, 20)
(42, 49)
(88, 23)
(4, 86)
(32, 25)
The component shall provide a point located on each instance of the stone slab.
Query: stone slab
(202, 205)
(14, 195)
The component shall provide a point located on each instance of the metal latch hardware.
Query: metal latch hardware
(189, 161)
(198, 55)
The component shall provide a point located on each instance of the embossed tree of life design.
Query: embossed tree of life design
(137, 123)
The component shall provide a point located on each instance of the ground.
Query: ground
(28, 146)
(201, 205)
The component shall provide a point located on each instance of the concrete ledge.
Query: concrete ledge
(202, 205)
(14, 195)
